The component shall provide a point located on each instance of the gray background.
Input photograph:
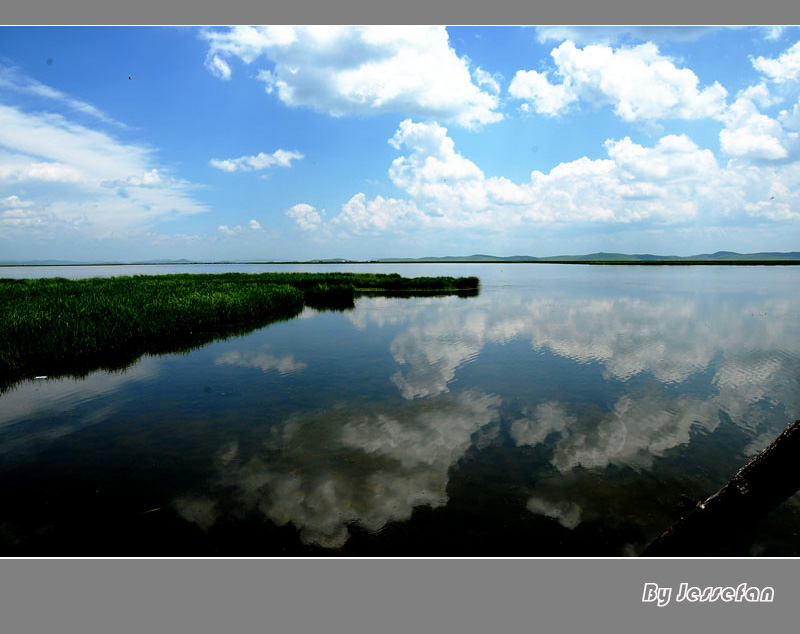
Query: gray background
(388, 595)
(698, 12)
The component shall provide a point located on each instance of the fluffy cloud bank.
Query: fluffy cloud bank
(785, 68)
(751, 135)
(361, 70)
(639, 82)
(642, 85)
(673, 182)
(754, 136)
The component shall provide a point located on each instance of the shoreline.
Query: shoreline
(55, 326)
(393, 262)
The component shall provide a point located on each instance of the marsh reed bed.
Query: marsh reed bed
(54, 326)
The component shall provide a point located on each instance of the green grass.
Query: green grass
(55, 326)
(367, 282)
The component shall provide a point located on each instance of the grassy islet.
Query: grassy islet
(54, 326)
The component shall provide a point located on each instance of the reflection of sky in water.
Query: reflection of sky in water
(33, 412)
(38, 396)
(343, 465)
(261, 360)
(367, 465)
(339, 420)
(568, 514)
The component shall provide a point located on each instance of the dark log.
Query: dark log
(761, 485)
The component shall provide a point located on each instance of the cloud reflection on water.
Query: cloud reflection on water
(671, 339)
(323, 470)
(639, 428)
(671, 365)
(566, 513)
(261, 360)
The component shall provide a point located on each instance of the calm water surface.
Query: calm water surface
(565, 411)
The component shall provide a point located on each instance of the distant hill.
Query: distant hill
(332, 261)
(463, 258)
(621, 258)
(730, 255)
(719, 256)
(183, 261)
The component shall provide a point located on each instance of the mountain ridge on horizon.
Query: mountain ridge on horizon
(720, 256)
(601, 256)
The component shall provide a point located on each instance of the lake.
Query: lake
(567, 410)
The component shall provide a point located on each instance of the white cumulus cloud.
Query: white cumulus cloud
(538, 92)
(667, 182)
(306, 216)
(672, 182)
(639, 82)
(784, 68)
(752, 135)
(253, 225)
(360, 215)
(361, 70)
(261, 161)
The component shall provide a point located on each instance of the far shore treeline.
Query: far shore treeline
(56, 326)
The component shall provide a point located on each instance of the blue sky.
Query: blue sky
(135, 143)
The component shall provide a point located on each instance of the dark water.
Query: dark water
(565, 411)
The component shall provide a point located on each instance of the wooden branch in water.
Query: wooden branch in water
(761, 485)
